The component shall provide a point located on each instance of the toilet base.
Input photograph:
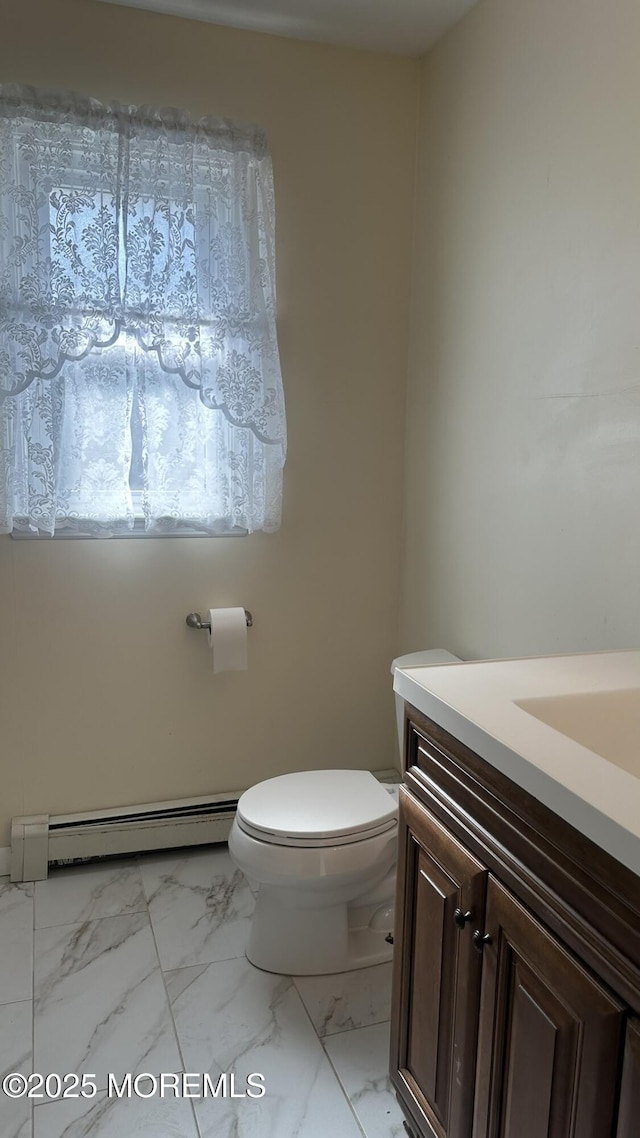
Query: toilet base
(315, 942)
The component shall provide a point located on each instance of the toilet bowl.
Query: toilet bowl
(321, 845)
(321, 848)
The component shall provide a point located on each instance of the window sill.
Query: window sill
(137, 533)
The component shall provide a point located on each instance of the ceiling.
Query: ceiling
(403, 27)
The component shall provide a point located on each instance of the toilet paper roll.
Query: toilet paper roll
(228, 639)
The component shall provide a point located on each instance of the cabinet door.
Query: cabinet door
(629, 1117)
(437, 977)
(549, 1038)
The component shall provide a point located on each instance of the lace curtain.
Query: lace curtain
(139, 369)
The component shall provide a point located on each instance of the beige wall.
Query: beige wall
(106, 697)
(523, 456)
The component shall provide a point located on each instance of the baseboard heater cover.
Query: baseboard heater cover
(38, 840)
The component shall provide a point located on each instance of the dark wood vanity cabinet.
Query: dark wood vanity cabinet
(629, 1116)
(444, 887)
(517, 964)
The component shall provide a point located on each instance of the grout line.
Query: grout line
(354, 1027)
(33, 1002)
(328, 1058)
(11, 1003)
(343, 1089)
(183, 967)
(306, 1010)
(166, 994)
(94, 920)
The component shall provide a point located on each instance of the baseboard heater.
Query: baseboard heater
(38, 841)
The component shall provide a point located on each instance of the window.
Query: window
(139, 368)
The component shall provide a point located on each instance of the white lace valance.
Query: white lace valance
(136, 271)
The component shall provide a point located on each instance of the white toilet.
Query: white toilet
(321, 846)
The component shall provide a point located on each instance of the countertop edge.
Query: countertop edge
(599, 827)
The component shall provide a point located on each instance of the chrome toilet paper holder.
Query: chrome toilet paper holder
(194, 620)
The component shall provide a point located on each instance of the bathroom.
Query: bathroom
(458, 282)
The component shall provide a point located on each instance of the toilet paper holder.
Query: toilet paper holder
(194, 620)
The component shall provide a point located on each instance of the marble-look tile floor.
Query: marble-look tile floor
(138, 966)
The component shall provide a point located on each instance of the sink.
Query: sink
(607, 722)
(565, 728)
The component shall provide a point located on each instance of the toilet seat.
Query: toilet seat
(317, 809)
(314, 842)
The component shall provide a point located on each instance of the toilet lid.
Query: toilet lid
(317, 806)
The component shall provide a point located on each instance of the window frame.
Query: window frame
(66, 523)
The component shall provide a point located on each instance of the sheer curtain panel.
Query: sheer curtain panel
(139, 368)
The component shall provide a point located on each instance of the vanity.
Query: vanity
(516, 997)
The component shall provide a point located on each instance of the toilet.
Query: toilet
(321, 847)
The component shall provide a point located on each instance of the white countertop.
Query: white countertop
(477, 702)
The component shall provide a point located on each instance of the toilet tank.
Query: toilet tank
(416, 660)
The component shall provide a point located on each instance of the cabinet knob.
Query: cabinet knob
(480, 939)
(461, 918)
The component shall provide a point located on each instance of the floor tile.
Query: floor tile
(16, 942)
(232, 1017)
(81, 893)
(361, 1059)
(182, 978)
(101, 1006)
(199, 905)
(104, 1117)
(347, 999)
(15, 1056)
(100, 1001)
